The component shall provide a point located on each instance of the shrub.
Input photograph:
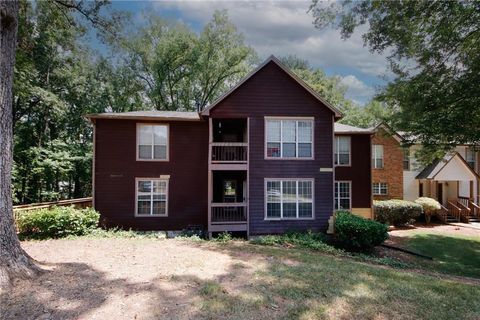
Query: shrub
(429, 206)
(396, 212)
(57, 222)
(357, 233)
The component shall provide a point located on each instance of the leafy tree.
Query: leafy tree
(434, 53)
(182, 70)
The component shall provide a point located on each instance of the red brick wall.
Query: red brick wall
(392, 172)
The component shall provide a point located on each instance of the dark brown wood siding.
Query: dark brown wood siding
(359, 173)
(271, 92)
(116, 169)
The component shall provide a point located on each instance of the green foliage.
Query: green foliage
(223, 237)
(183, 70)
(309, 240)
(434, 51)
(396, 212)
(357, 233)
(57, 222)
(429, 205)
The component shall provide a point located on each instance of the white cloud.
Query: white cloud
(285, 27)
(357, 90)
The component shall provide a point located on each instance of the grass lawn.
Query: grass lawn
(453, 254)
(184, 279)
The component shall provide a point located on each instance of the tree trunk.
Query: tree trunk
(14, 262)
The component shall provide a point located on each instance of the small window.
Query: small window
(406, 159)
(342, 151)
(152, 197)
(380, 189)
(470, 157)
(289, 138)
(377, 156)
(152, 142)
(343, 195)
(289, 199)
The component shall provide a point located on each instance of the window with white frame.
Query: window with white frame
(152, 142)
(343, 191)
(342, 150)
(377, 156)
(470, 157)
(151, 197)
(380, 188)
(289, 199)
(406, 159)
(289, 138)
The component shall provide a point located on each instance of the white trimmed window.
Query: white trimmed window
(377, 156)
(380, 188)
(470, 157)
(289, 138)
(342, 150)
(343, 191)
(151, 197)
(288, 199)
(152, 142)
(406, 159)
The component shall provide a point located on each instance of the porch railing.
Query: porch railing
(229, 152)
(464, 201)
(233, 212)
(454, 211)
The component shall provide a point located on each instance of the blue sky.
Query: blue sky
(281, 28)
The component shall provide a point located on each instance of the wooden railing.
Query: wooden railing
(234, 212)
(442, 214)
(229, 152)
(464, 201)
(464, 212)
(475, 209)
(454, 211)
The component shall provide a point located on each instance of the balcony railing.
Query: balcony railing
(228, 212)
(229, 152)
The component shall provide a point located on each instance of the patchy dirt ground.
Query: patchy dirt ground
(177, 279)
(458, 229)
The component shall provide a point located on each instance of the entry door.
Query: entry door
(440, 192)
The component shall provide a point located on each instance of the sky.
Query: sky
(282, 28)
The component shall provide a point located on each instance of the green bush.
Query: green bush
(396, 212)
(357, 233)
(57, 222)
(429, 206)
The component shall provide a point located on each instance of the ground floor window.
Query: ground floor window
(151, 197)
(343, 191)
(380, 188)
(289, 198)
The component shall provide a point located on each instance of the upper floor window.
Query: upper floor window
(377, 156)
(289, 138)
(288, 199)
(406, 159)
(342, 151)
(152, 142)
(151, 197)
(470, 157)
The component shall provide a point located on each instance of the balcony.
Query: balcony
(229, 152)
(227, 213)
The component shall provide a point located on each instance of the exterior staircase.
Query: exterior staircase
(463, 210)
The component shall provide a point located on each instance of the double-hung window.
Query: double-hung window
(151, 197)
(470, 157)
(289, 199)
(343, 191)
(342, 150)
(380, 189)
(406, 159)
(377, 156)
(289, 138)
(152, 142)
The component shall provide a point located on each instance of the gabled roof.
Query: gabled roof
(273, 59)
(345, 128)
(395, 134)
(450, 167)
(148, 115)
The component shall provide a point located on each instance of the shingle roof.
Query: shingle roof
(345, 128)
(149, 115)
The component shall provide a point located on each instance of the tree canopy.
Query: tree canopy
(434, 52)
